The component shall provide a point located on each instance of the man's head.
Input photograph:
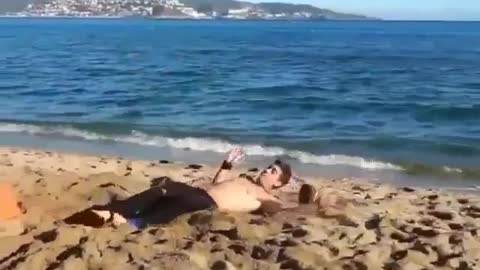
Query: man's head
(276, 175)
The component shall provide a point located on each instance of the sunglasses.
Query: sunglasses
(271, 169)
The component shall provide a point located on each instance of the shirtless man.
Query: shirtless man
(164, 203)
(246, 195)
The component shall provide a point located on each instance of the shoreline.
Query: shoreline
(211, 166)
(211, 151)
(383, 225)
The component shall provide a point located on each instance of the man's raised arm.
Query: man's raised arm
(234, 156)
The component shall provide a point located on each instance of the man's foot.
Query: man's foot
(95, 218)
(108, 216)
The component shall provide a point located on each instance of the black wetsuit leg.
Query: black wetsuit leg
(168, 208)
(156, 205)
(139, 203)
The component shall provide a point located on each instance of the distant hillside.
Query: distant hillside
(221, 6)
(276, 8)
(229, 9)
(215, 5)
(13, 5)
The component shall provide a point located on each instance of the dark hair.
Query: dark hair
(286, 171)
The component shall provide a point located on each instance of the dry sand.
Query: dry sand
(386, 227)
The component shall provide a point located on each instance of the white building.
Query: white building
(192, 12)
(239, 11)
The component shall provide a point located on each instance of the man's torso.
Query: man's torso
(235, 195)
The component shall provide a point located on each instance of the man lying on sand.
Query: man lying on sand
(162, 204)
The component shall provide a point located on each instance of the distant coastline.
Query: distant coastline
(180, 18)
(178, 9)
(60, 17)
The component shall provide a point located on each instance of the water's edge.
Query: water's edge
(211, 151)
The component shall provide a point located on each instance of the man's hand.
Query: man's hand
(235, 156)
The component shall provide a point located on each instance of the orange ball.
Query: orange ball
(8, 202)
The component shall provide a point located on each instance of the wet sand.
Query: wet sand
(386, 227)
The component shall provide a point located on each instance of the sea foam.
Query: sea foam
(200, 144)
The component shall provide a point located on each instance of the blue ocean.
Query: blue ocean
(398, 101)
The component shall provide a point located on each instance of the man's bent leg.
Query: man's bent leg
(135, 207)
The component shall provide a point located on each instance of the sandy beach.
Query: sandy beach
(385, 227)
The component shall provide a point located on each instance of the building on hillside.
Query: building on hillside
(241, 11)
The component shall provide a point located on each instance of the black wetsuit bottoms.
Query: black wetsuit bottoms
(157, 205)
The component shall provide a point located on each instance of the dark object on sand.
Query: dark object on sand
(194, 166)
(306, 194)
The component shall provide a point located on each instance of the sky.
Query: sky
(401, 9)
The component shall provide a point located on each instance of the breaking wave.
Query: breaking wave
(199, 144)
